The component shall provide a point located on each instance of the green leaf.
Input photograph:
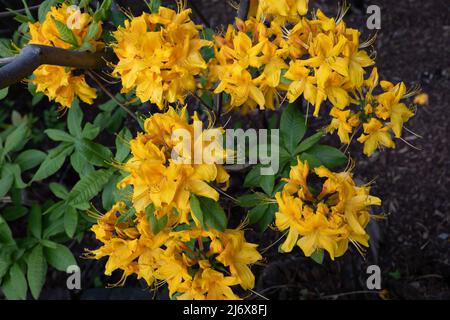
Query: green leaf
(252, 200)
(15, 285)
(157, 224)
(74, 119)
(330, 157)
(59, 190)
(92, 32)
(88, 187)
(6, 49)
(309, 142)
(59, 135)
(153, 5)
(44, 8)
(80, 164)
(312, 160)
(35, 221)
(3, 93)
(256, 214)
(53, 162)
(127, 216)
(60, 257)
(196, 209)
(252, 178)
(267, 217)
(267, 182)
(213, 214)
(29, 159)
(5, 232)
(318, 256)
(36, 271)
(90, 131)
(108, 193)
(6, 183)
(94, 153)
(65, 34)
(12, 169)
(70, 221)
(48, 243)
(292, 127)
(103, 12)
(14, 212)
(16, 138)
(123, 145)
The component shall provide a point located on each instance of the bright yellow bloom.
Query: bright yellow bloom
(238, 254)
(159, 56)
(281, 11)
(375, 136)
(59, 83)
(328, 220)
(160, 180)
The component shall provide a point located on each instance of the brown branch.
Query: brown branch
(32, 56)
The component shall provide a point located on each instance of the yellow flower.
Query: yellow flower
(282, 11)
(238, 254)
(209, 284)
(159, 56)
(329, 220)
(59, 83)
(341, 123)
(375, 136)
(160, 180)
(238, 83)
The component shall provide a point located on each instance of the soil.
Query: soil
(411, 247)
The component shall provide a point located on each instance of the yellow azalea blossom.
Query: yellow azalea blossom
(59, 83)
(329, 220)
(209, 284)
(159, 56)
(281, 11)
(238, 254)
(160, 180)
(375, 136)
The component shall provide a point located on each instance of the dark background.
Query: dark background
(412, 245)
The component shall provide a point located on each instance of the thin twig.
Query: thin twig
(113, 97)
(11, 13)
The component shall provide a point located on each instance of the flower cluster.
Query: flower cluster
(196, 264)
(281, 11)
(159, 56)
(59, 83)
(325, 216)
(278, 52)
(247, 68)
(157, 175)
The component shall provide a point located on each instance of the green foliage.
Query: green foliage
(293, 146)
(208, 212)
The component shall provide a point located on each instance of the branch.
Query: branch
(13, 12)
(32, 56)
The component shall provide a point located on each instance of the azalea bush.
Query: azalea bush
(125, 85)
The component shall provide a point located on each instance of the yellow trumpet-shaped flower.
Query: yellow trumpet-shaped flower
(375, 136)
(159, 56)
(327, 220)
(59, 83)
